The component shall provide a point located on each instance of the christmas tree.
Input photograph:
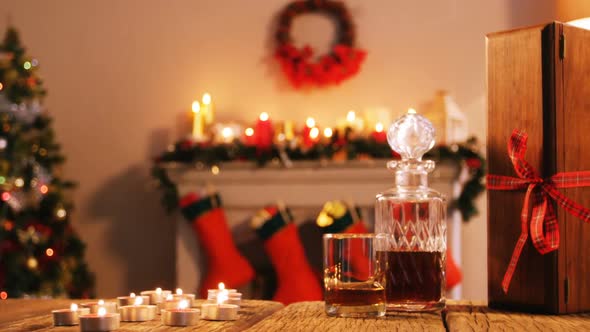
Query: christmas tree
(40, 254)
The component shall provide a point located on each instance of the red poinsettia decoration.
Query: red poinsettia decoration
(301, 67)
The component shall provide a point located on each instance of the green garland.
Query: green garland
(186, 152)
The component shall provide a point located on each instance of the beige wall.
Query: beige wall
(120, 75)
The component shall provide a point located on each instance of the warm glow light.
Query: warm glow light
(379, 127)
(350, 116)
(411, 111)
(221, 286)
(263, 116)
(178, 291)
(19, 182)
(138, 300)
(74, 307)
(196, 107)
(249, 132)
(215, 169)
(27, 65)
(100, 302)
(206, 99)
(310, 122)
(132, 295)
(44, 189)
(328, 132)
(102, 311)
(182, 304)
(314, 133)
(1, 86)
(3, 295)
(169, 297)
(227, 132)
(583, 23)
(49, 252)
(158, 290)
(5, 196)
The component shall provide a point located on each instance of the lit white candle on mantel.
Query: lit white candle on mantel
(101, 321)
(129, 300)
(198, 125)
(180, 316)
(138, 312)
(220, 310)
(156, 296)
(110, 307)
(68, 317)
(207, 109)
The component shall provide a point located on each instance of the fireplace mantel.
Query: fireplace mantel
(304, 188)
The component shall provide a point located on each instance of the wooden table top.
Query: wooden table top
(35, 315)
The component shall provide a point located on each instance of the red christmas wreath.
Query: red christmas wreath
(300, 66)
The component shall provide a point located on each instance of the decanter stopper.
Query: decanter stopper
(412, 135)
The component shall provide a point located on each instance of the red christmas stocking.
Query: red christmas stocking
(337, 217)
(224, 262)
(454, 275)
(296, 280)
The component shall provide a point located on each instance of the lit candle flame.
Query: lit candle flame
(102, 311)
(350, 116)
(328, 132)
(411, 111)
(182, 304)
(227, 132)
(379, 127)
(132, 295)
(314, 133)
(138, 300)
(178, 291)
(159, 290)
(196, 107)
(249, 132)
(222, 296)
(74, 307)
(206, 99)
(263, 116)
(169, 297)
(310, 122)
(100, 302)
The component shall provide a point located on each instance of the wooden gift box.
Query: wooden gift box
(538, 80)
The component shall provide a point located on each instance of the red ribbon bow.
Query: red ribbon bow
(543, 222)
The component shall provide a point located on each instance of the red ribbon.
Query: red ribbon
(543, 222)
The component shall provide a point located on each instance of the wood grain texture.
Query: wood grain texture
(468, 317)
(39, 318)
(310, 316)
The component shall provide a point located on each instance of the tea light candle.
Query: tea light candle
(110, 307)
(169, 303)
(156, 296)
(181, 316)
(100, 321)
(180, 295)
(212, 293)
(129, 300)
(65, 317)
(220, 310)
(138, 312)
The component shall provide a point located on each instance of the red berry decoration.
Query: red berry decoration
(300, 66)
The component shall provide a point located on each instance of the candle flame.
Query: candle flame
(102, 311)
(310, 122)
(74, 307)
(350, 116)
(263, 116)
(222, 296)
(314, 133)
(159, 290)
(221, 286)
(206, 99)
(138, 300)
(379, 127)
(100, 302)
(132, 295)
(249, 132)
(178, 291)
(182, 304)
(411, 111)
(227, 132)
(328, 132)
(196, 107)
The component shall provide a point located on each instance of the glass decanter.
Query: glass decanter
(410, 220)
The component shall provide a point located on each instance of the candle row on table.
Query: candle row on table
(175, 309)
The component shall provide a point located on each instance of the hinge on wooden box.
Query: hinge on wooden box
(566, 290)
(561, 46)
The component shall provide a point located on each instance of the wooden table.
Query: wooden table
(34, 315)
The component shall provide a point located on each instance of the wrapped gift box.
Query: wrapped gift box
(538, 81)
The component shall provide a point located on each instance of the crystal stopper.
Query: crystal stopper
(412, 135)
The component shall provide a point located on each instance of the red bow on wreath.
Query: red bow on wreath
(543, 222)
